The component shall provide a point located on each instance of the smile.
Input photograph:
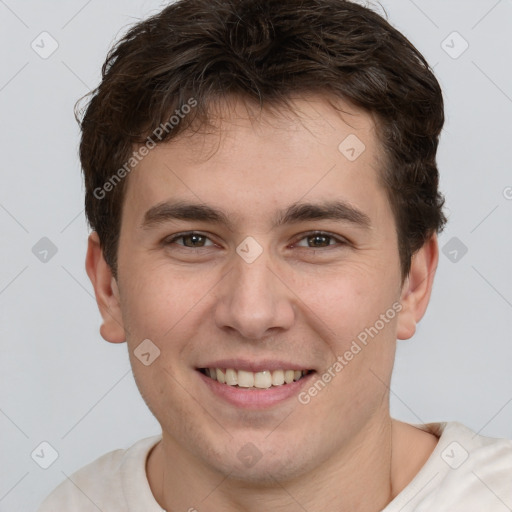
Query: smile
(254, 380)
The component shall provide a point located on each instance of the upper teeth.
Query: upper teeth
(261, 380)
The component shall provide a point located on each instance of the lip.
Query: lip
(255, 398)
(255, 366)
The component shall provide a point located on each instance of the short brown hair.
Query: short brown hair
(265, 51)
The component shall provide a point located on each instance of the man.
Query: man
(262, 185)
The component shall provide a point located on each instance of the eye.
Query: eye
(319, 240)
(192, 239)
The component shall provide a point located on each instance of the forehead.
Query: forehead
(247, 160)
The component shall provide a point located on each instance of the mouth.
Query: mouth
(248, 380)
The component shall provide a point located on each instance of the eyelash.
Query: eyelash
(341, 241)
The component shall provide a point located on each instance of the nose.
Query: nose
(253, 299)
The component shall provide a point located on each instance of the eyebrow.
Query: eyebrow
(297, 212)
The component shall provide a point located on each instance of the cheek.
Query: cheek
(157, 300)
(358, 314)
(351, 298)
(165, 393)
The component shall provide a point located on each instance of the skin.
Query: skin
(299, 301)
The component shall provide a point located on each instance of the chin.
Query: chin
(264, 468)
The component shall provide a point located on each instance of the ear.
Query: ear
(106, 291)
(417, 288)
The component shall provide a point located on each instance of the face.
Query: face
(262, 250)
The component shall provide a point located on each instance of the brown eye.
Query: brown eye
(192, 240)
(319, 241)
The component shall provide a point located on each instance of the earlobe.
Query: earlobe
(106, 291)
(417, 288)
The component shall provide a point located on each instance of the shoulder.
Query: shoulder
(465, 472)
(462, 448)
(479, 468)
(106, 483)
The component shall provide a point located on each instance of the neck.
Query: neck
(358, 478)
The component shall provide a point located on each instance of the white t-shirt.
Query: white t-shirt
(466, 472)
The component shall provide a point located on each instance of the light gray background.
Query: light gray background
(61, 383)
